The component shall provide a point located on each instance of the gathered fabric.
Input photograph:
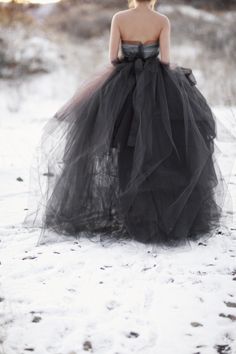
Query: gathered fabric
(131, 156)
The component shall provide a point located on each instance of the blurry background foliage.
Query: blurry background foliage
(203, 36)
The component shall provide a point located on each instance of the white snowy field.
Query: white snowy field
(76, 296)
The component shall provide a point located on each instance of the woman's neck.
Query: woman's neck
(143, 5)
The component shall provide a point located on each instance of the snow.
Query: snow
(190, 12)
(81, 291)
(69, 297)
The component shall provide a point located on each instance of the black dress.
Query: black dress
(130, 156)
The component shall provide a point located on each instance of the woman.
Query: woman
(131, 155)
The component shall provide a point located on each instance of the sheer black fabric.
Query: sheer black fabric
(130, 156)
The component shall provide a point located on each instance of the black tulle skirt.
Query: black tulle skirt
(130, 156)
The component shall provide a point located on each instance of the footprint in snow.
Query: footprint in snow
(231, 317)
(132, 334)
(196, 324)
(223, 348)
(112, 305)
(87, 346)
(72, 290)
(36, 319)
(234, 274)
(230, 304)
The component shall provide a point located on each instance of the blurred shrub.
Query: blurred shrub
(22, 55)
(212, 4)
(80, 21)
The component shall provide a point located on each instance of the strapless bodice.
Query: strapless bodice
(139, 49)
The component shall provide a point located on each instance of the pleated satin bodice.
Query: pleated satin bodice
(139, 49)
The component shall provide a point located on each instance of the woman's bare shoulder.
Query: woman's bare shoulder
(162, 18)
(122, 13)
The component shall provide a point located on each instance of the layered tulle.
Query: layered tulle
(130, 156)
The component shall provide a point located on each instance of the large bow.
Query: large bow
(189, 75)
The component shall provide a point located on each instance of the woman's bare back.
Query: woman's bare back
(140, 25)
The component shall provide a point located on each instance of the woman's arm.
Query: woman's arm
(114, 39)
(165, 41)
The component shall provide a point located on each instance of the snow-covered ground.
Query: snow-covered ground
(72, 296)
